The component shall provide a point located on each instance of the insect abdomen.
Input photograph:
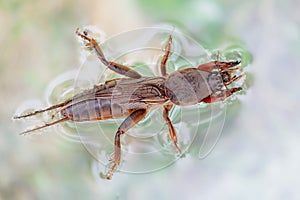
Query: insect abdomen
(94, 109)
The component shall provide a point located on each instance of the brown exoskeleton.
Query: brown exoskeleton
(134, 96)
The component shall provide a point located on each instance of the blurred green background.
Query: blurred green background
(257, 156)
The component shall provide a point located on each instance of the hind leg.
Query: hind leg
(129, 122)
(116, 67)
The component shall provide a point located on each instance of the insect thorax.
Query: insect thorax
(187, 86)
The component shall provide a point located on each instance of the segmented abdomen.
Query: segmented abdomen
(94, 109)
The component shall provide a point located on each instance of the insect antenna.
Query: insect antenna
(45, 125)
(39, 111)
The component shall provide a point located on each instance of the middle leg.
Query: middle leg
(172, 131)
(163, 63)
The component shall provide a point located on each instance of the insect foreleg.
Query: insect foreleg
(129, 122)
(222, 96)
(163, 63)
(172, 131)
(120, 69)
(217, 65)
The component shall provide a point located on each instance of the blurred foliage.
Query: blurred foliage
(209, 22)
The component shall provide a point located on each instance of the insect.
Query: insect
(134, 96)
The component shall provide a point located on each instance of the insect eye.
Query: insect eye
(226, 77)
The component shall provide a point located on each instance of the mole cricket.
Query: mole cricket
(134, 96)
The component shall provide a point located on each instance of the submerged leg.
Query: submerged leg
(222, 96)
(129, 122)
(120, 69)
(163, 69)
(172, 131)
